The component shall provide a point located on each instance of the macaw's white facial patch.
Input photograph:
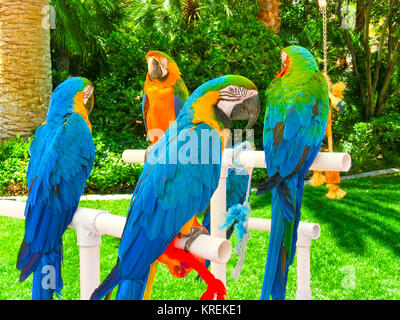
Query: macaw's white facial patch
(158, 68)
(233, 95)
(87, 93)
(164, 66)
(283, 57)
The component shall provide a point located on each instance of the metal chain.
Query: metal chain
(325, 46)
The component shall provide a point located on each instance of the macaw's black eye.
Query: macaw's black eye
(231, 90)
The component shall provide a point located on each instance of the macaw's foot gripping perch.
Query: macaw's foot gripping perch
(215, 287)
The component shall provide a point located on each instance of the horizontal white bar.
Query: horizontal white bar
(12, 209)
(133, 155)
(324, 161)
(308, 229)
(102, 222)
(221, 248)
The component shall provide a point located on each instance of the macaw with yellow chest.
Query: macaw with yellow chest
(178, 179)
(294, 126)
(61, 159)
(165, 94)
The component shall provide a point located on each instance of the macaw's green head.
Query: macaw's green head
(219, 101)
(296, 59)
(161, 66)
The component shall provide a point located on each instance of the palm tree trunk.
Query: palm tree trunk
(25, 66)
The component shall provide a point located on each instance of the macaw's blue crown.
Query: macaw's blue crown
(63, 97)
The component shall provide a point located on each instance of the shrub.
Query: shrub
(375, 144)
(110, 174)
(213, 47)
(14, 158)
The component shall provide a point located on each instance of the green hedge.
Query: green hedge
(109, 175)
(215, 45)
(211, 49)
(14, 159)
(375, 144)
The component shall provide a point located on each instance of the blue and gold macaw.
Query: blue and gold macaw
(62, 155)
(178, 179)
(294, 127)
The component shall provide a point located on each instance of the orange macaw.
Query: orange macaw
(165, 94)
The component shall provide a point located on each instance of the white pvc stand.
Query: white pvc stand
(91, 224)
(324, 161)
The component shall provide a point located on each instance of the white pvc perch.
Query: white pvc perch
(324, 161)
(305, 233)
(91, 224)
(207, 247)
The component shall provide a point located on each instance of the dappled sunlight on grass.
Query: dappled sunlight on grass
(356, 257)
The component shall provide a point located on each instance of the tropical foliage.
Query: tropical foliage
(106, 41)
(81, 28)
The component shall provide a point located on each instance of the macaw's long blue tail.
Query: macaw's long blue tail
(109, 283)
(127, 290)
(132, 289)
(283, 232)
(46, 270)
(47, 278)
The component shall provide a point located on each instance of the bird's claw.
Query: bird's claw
(194, 233)
(215, 291)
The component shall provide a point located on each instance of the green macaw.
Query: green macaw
(294, 127)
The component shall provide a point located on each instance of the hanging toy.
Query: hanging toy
(237, 217)
(331, 178)
(239, 213)
(270, 14)
(237, 188)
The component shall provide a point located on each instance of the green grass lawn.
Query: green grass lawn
(356, 257)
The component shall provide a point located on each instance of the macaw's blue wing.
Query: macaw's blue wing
(145, 109)
(177, 181)
(181, 94)
(62, 158)
(294, 128)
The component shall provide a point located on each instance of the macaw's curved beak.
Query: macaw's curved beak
(154, 68)
(248, 109)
